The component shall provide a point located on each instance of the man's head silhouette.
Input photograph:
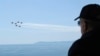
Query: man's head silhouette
(89, 17)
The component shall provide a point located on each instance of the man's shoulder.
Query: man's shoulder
(78, 41)
(81, 42)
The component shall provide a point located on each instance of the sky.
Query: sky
(43, 20)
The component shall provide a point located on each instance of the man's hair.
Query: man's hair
(92, 24)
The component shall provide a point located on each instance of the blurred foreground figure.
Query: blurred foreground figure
(89, 43)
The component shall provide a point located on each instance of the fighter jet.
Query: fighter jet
(12, 22)
(18, 22)
(21, 22)
(19, 26)
(16, 25)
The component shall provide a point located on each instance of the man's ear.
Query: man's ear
(85, 26)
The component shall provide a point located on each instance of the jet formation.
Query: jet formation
(17, 24)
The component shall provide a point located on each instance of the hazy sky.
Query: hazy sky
(43, 20)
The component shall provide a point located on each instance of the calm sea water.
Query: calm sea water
(38, 49)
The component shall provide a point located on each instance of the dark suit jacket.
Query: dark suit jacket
(87, 45)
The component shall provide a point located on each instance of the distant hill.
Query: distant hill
(37, 49)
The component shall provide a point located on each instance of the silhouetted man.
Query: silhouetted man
(89, 43)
